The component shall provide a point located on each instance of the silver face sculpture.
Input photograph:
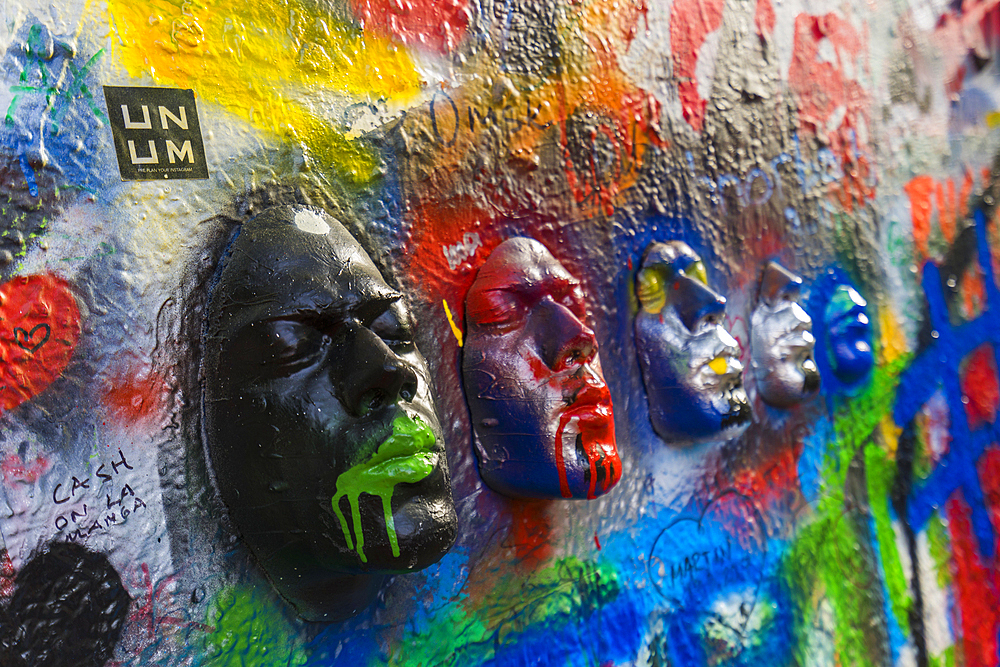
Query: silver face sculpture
(781, 341)
(689, 362)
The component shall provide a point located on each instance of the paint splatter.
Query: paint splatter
(259, 61)
(406, 456)
(249, 629)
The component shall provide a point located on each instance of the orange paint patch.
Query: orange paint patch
(919, 191)
(134, 396)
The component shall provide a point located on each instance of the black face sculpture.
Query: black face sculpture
(319, 424)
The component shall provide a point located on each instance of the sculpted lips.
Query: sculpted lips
(591, 402)
(590, 409)
(721, 367)
(406, 456)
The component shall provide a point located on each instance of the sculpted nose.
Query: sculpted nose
(696, 303)
(778, 283)
(372, 376)
(564, 341)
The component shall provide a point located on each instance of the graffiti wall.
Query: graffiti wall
(499, 332)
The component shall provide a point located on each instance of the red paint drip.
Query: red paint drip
(597, 542)
(597, 435)
(600, 453)
(981, 386)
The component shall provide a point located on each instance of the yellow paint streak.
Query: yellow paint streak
(993, 119)
(451, 320)
(890, 434)
(893, 343)
(257, 59)
(718, 365)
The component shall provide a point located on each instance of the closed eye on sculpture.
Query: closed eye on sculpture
(277, 348)
(501, 310)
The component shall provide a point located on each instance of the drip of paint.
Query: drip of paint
(560, 464)
(406, 456)
(594, 433)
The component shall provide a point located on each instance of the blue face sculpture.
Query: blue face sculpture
(540, 407)
(689, 362)
(849, 336)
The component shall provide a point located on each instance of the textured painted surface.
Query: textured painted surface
(855, 144)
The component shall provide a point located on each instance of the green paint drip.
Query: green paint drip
(248, 628)
(945, 659)
(406, 456)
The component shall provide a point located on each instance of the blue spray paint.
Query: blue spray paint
(938, 366)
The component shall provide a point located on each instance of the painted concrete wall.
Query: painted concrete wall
(854, 143)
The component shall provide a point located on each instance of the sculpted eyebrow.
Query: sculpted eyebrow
(557, 286)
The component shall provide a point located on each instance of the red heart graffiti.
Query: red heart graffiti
(39, 329)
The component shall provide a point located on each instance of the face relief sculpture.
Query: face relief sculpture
(540, 407)
(849, 335)
(689, 362)
(781, 341)
(319, 423)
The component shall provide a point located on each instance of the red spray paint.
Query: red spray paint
(691, 21)
(439, 25)
(17, 470)
(39, 329)
(975, 589)
(981, 386)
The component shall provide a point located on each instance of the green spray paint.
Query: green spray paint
(406, 456)
(827, 551)
(880, 474)
(248, 628)
(469, 629)
(940, 547)
(945, 659)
